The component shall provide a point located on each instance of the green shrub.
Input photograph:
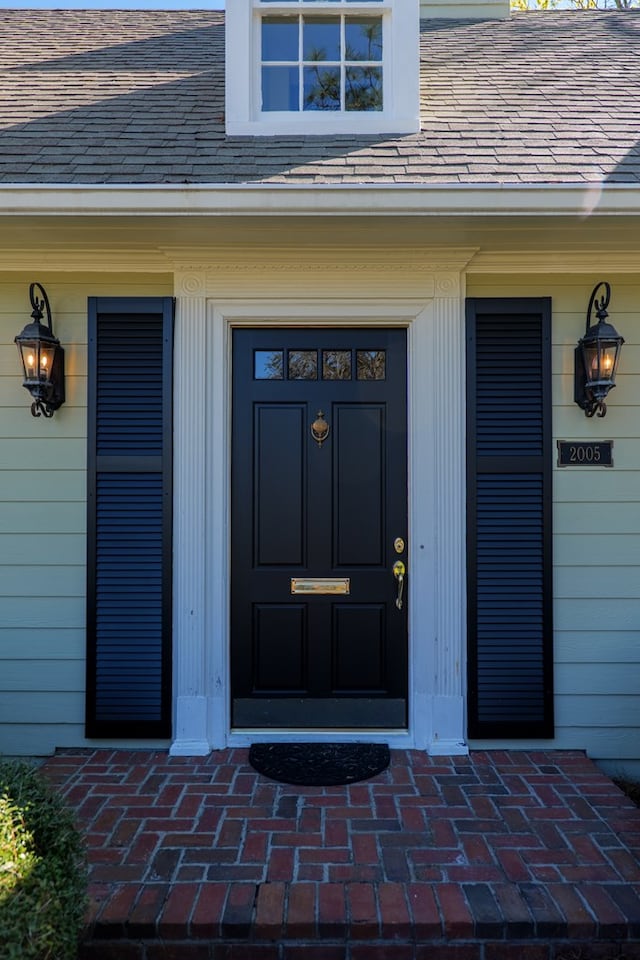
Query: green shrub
(42, 869)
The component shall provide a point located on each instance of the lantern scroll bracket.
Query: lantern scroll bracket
(596, 356)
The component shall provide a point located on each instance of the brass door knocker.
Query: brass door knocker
(320, 429)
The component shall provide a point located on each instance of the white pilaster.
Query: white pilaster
(449, 393)
(189, 528)
(422, 542)
(218, 444)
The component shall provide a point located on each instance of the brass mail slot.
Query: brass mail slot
(323, 585)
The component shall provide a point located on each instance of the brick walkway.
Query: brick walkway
(499, 856)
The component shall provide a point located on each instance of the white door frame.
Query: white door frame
(436, 556)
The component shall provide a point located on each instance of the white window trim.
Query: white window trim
(401, 113)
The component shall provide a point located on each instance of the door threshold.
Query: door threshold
(396, 739)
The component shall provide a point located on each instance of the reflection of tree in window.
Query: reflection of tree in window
(321, 39)
(275, 365)
(363, 40)
(336, 364)
(371, 364)
(363, 90)
(363, 85)
(303, 365)
(321, 88)
(269, 365)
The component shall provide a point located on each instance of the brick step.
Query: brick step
(531, 855)
(360, 950)
(363, 921)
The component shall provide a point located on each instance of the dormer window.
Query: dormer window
(322, 66)
(322, 62)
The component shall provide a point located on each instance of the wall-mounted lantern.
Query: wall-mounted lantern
(596, 356)
(42, 358)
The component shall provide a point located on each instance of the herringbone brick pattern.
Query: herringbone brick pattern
(493, 857)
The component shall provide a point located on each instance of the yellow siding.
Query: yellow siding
(596, 528)
(43, 519)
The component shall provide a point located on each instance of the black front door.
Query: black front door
(319, 518)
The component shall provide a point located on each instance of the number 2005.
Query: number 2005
(572, 453)
(590, 454)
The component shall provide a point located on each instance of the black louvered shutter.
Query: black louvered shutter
(129, 517)
(509, 518)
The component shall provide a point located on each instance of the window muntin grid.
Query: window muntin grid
(321, 62)
(328, 364)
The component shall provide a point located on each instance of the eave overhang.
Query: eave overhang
(338, 200)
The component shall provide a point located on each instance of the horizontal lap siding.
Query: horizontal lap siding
(509, 612)
(43, 492)
(129, 530)
(596, 521)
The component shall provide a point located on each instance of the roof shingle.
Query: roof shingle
(132, 97)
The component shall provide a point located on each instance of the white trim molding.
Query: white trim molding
(190, 547)
(401, 72)
(449, 430)
(436, 466)
(465, 9)
(220, 262)
(341, 200)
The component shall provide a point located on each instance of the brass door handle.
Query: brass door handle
(399, 571)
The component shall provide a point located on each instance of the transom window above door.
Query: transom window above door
(292, 364)
(322, 66)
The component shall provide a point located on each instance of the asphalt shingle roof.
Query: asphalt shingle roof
(138, 97)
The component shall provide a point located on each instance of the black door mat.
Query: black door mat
(319, 764)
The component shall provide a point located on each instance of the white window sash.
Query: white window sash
(400, 66)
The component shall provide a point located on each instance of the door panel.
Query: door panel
(279, 484)
(311, 507)
(360, 668)
(358, 485)
(279, 646)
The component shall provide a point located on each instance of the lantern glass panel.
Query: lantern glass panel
(608, 353)
(29, 356)
(47, 354)
(30, 353)
(590, 352)
(600, 360)
(37, 359)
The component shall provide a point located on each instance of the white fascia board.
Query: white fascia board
(319, 199)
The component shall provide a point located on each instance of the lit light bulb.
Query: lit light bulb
(43, 362)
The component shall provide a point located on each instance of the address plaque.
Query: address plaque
(585, 453)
